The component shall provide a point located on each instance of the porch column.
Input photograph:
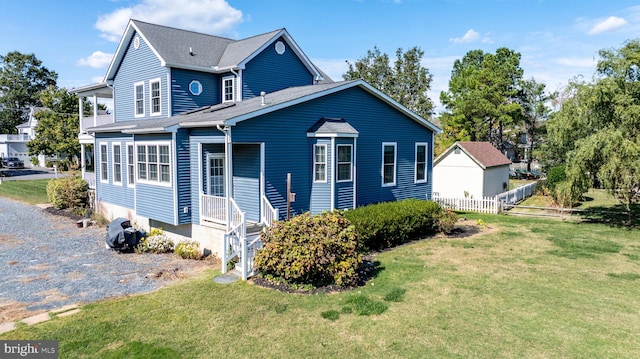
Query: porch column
(95, 110)
(81, 111)
(82, 159)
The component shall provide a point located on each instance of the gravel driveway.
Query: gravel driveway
(47, 263)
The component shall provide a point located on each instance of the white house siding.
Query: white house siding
(495, 180)
(456, 174)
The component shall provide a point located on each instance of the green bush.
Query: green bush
(388, 224)
(68, 192)
(156, 242)
(316, 250)
(447, 221)
(188, 249)
(555, 175)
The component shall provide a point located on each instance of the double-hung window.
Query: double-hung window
(156, 108)
(344, 163)
(104, 169)
(320, 163)
(131, 169)
(154, 163)
(421, 163)
(389, 164)
(138, 91)
(228, 86)
(117, 164)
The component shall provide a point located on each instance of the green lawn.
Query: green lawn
(32, 191)
(525, 288)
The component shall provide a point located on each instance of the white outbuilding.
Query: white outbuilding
(470, 170)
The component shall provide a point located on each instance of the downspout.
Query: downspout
(333, 178)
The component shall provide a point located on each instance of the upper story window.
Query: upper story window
(320, 163)
(421, 163)
(156, 108)
(228, 86)
(344, 163)
(138, 90)
(195, 87)
(388, 164)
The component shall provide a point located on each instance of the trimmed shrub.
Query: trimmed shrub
(555, 175)
(316, 250)
(384, 225)
(68, 192)
(188, 249)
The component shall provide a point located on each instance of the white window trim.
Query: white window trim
(233, 88)
(395, 164)
(157, 182)
(426, 161)
(113, 162)
(315, 146)
(151, 82)
(350, 163)
(135, 100)
(106, 164)
(131, 167)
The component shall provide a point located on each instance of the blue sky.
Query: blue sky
(558, 39)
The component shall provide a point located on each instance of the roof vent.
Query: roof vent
(263, 94)
(190, 51)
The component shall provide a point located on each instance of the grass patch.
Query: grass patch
(507, 298)
(627, 276)
(395, 295)
(363, 305)
(31, 191)
(583, 247)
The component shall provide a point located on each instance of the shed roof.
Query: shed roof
(483, 153)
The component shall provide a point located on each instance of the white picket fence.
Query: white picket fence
(486, 204)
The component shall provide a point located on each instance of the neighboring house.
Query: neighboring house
(470, 170)
(207, 130)
(16, 145)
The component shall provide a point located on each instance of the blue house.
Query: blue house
(214, 138)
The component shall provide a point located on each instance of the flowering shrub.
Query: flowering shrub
(447, 221)
(156, 242)
(188, 249)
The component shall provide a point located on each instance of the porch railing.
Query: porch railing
(268, 214)
(213, 208)
(235, 240)
(90, 177)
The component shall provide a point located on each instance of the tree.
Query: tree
(533, 99)
(481, 101)
(22, 77)
(58, 126)
(599, 125)
(407, 81)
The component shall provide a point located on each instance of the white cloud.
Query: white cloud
(610, 24)
(583, 62)
(206, 16)
(334, 68)
(470, 36)
(96, 60)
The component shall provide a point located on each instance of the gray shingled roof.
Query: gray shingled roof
(238, 51)
(332, 126)
(173, 45)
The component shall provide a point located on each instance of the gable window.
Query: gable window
(421, 163)
(131, 170)
(344, 163)
(228, 85)
(117, 164)
(104, 170)
(388, 164)
(156, 108)
(320, 163)
(154, 163)
(195, 87)
(139, 99)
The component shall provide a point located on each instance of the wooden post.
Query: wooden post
(288, 195)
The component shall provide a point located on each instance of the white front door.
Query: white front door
(215, 174)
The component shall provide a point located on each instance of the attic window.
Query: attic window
(280, 48)
(195, 87)
(457, 150)
(136, 42)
